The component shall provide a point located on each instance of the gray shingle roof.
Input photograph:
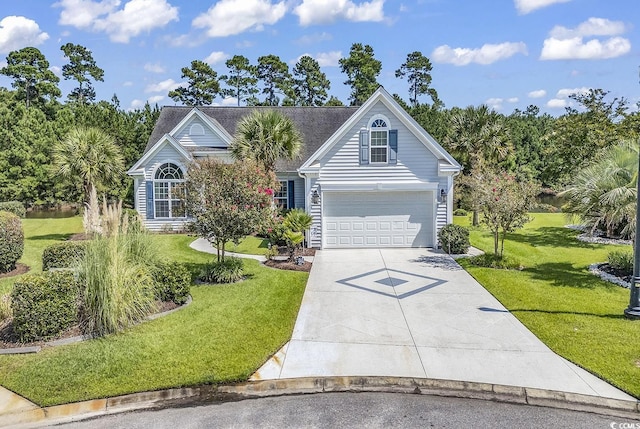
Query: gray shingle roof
(316, 124)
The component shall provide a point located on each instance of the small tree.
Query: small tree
(228, 201)
(504, 203)
(297, 221)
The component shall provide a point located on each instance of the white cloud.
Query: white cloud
(527, 6)
(17, 32)
(228, 17)
(137, 16)
(497, 103)
(216, 57)
(557, 103)
(313, 12)
(154, 68)
(155, 99)
(56, 70)
(539, 93)
(576, 49)
(229, 101)
(591, 27)
(566, 92)
(487, 54)
(569, 43)
(164, 86)
(127, 83)
(328, 59)
(136, 104)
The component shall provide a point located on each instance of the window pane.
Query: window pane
(378, 154)
(161, 190)
(378, 138)
(177, 209)
(162, 209)
(281, 196)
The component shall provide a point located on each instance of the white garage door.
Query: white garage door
(378, 219)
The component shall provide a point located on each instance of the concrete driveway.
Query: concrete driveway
(416, 313)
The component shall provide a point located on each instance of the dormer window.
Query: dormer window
(379, 137)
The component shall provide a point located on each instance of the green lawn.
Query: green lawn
(250, 245)
(40, 233)
(572, 311)
(223, 336)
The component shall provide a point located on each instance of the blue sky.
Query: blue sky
(504, 53)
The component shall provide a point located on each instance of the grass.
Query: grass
(40, 233)
(223, 336)
(575, 313)
(250, 245)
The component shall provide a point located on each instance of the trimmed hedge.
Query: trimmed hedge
(15, 207)
(172, 281)
(65, 254)
(11, 241)
(44, 305)
(454, 239)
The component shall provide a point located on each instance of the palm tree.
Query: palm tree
(266, 136)
(603, 194)
(478, 138)
(90, 155)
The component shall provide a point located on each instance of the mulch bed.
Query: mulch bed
(20, 269)
(288, 265)
(622, 275)
(9, 339)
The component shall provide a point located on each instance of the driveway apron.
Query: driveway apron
(416, 313)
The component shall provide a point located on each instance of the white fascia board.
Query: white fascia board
(377, 186)
(156, 147)
(212, 124)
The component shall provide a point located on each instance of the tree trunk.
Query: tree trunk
(495, 242)
(502, 243)
(475, 221)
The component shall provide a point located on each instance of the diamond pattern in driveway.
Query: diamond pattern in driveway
(416, 313)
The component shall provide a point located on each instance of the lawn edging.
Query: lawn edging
(205, 394)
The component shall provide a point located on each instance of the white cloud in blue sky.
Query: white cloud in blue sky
(487, 54)
(528, 6)
(17, 32)
(480, 52)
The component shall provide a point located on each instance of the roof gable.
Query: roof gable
(316, 124)
(166, 139)
(382, 96)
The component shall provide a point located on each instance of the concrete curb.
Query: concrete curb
(265, 388)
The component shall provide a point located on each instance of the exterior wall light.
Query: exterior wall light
(315, 197)
(443, 195)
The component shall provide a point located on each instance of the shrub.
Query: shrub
(621, 260)
(229, 270)
(454, 239)
(117, 288)
(490, 260)
(276, 234)
(66, 254)
(44, 304)
(11, 241)
(172, 282)
(460, 212)
(15, 207)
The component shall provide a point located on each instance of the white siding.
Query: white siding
(315, 210)
(415, 161)
(208, 139)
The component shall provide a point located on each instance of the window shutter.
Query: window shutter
(149, 188)
(364, 147)
(393, 147)
(290, 196)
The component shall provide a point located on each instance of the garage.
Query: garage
(378, 219)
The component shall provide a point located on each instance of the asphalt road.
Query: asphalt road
(358, 410)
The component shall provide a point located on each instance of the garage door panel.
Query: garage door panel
(378, 219)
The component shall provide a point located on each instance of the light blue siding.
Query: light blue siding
(208, 139)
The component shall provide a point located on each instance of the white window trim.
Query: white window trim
(284, 184)
(373, 129)
(169, 199)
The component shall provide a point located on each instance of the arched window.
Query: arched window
(168, 190)
(379, 140)
(196, 130)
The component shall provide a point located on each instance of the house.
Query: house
(370, 176)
